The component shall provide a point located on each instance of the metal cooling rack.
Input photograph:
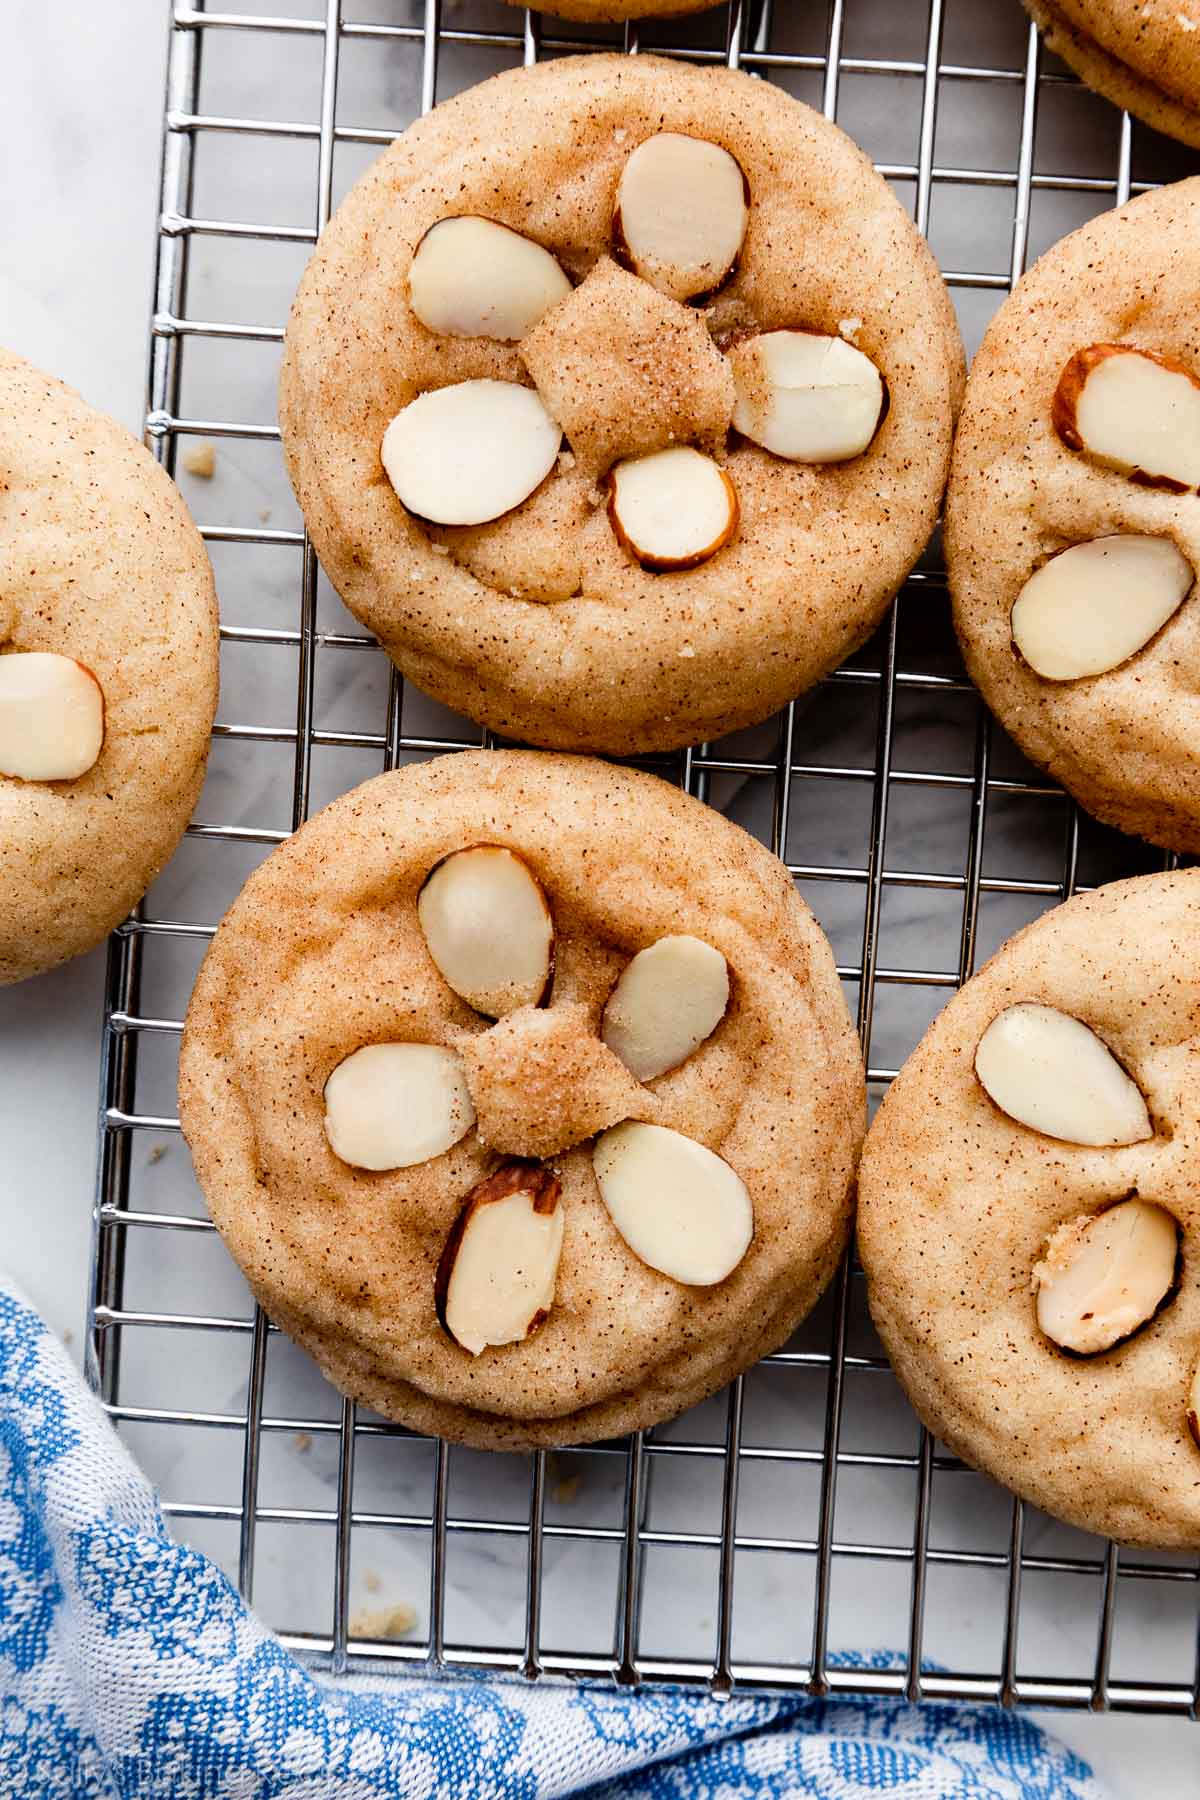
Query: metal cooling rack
(788, 1531)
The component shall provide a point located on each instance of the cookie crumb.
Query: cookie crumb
(200, 459)
(372, 1581)
(264, 515)
(303, 1441)
(157, 1152)
(565, 1481)
(68, 1336)
(384, 1621)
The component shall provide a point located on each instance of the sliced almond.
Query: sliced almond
(464, 454)
(670, 998)
(1104, 1274)
(1193, 1407)
(1131, 410)
(1095, 605)
(1051, 1072)
(681, 214)
(388, 1106)
(679, 1207)
(672, 509)
(495, 1278)
(473, 278)
(51, 716)
(489, 929)
(806, 397)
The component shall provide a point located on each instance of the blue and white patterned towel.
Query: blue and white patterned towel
(130, 1667)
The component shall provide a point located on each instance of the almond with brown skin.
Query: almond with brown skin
(495, 1278)
(672, 509)
(1132, 410)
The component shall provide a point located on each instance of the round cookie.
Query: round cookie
(1121, 740)
(542, 624)
(100, 566)
(1143, 57)
(329, 949)
(958, 1202)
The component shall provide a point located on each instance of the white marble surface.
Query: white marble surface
(79, 99)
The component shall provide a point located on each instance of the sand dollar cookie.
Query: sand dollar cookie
(523, 1090)
(618, 399)
(1072, 523)
(1143, 55)
(108, 670)
(1029, 1220)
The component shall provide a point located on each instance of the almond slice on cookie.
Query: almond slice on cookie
(806, 397)
(672, 509)
(1105, 1274)
(668, 1000)
(471, 452)
(390, 1106)
(1094, 605)
(1134, 411)
(51, 716)
(681, 214)
(488, 928)
(472, 277)
(1048, 1070)
(496, 1276)
(679, 1207)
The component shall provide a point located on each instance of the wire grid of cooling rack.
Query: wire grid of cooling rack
(872, 739)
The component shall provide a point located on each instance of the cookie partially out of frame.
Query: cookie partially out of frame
(108, 670)
(1095, 670)
(569, 621)
(1143, 55)
(321, 1018)
(1028, 1215)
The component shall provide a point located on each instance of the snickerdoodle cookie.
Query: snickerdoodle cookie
(1072, 523)
(523, 1090)
(618, 399)
(108, 670)
(1143, 55)
(1029, 1218)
